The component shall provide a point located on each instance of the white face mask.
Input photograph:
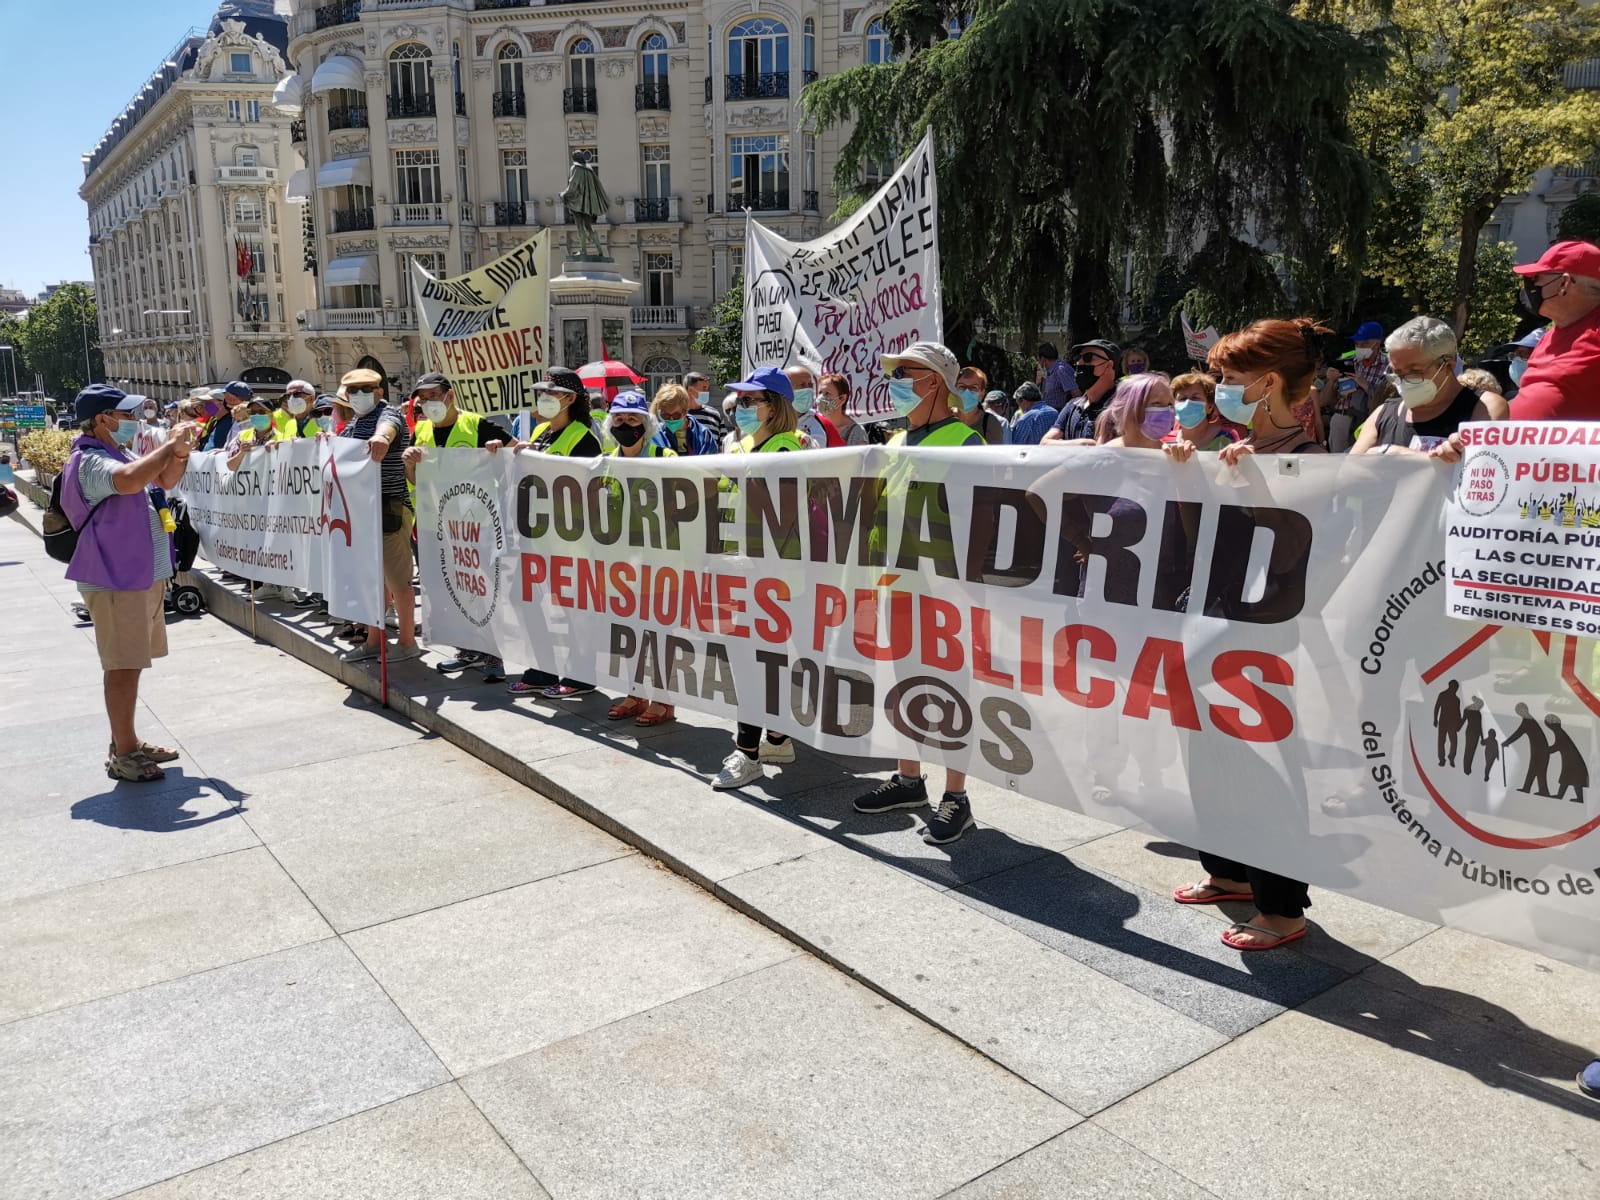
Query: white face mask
(435, 410)
(1363, 353)
(547, 406)
(362, 402)
(1415, 394)
(297, 405)
(149, 414)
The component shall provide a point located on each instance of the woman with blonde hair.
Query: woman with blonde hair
(678, 431)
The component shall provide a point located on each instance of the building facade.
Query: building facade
(198, 261)
(443, 130)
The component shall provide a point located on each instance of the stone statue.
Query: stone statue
(586, 199)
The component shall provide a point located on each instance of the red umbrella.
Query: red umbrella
(608, 377)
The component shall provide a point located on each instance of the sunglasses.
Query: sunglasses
(749, 401)
(905, 372)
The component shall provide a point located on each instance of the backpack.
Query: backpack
(60, 538)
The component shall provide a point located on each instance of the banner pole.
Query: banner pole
(253, 632)
(383, 665)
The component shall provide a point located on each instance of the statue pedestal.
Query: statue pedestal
(590, 306)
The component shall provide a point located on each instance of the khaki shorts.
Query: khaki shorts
(397, 561)
(130, 628)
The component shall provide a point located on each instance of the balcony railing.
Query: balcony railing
(468, 216)
(652, 96)
(510, 212)
(411, 106)
(758, 201)
(416, 214)
(361, 318)
(352, 219)
(661, 316)
(246, 174)
(774, 85)
(481, 5)
(653, 208)
(297, 130)
(346, 12)
(510, 104)
(808, 202)
(579, 100)
(347, 116)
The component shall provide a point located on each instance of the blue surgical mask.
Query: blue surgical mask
(903, 395)
(1191, 413)
(969, 399)
(1230, 403)
(747, 418)
(1518, 366)
(126, 432)
(803, 398)
(260, 422)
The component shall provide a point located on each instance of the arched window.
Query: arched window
(810, 50)
(758, 59)
(879, 48)
(411, 81)
(509, 100)
(580, 66)
(651, 91)
(662, 370)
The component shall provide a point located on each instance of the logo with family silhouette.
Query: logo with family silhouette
(1503, 750)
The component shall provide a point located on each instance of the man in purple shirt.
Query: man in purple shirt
(1060, 383)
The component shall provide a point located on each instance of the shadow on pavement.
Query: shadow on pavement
(159, 807)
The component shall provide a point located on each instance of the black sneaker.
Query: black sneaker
(893, 793)
(462, 660)
(494, 671)
(952, 820)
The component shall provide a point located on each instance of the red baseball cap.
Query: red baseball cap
(1570, 258)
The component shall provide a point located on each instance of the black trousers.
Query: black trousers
(748, 737)
(1276, 895)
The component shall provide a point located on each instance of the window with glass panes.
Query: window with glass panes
(580, 66)
(657, 171)
(658, 278)
(416, 175)
(430, 261)
(411, 74)
(510, 60)
(756, 47)
(514, 172)
(758, 170)
(880, 49)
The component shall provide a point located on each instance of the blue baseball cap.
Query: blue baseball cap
(1370, 331)
(239, 390)
(102, 397)
(630, 402)
(1530, 340)
(766, 379)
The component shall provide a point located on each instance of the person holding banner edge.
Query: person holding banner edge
(767, 422)
(442, 419)
(922, 388)
(564, 429)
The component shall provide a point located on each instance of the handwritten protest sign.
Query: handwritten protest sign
(867, 288)
(488, 330)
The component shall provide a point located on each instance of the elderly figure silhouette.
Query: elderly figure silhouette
(1533, 782)
(1574, 771)
(586, 201)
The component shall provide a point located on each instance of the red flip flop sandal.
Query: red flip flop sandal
(1279, 939)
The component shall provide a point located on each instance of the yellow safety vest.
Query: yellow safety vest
(463, 433)
(775, 443)
(287, 426)
(651, 450)
(566, 441)
(956, 433)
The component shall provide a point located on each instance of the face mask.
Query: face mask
(149, 414)
(1230, 403)
(297, 405)
(260, 422)
(1415, 394)
(1138, 368)
(125, 432)
(547, 406)
(827, 404)
(803, 398)
(627, 435)
(1362, 353)
(212, 408)
(435, 410)
(747, 419)
(1532, 297)
(1518, 367)
(325, 424)
(903, 395)
(674, 424)
(969, 399)
(1157, 423)
(362, 402)
(1191, 413)
(1085, 367)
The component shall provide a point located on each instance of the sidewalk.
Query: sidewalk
(1380, 1057)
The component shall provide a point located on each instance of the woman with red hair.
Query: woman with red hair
(1266, 370)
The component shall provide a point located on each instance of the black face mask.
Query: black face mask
(1531, 296)
(627, 435)
(1087, 367)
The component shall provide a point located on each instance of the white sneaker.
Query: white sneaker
(738, 769)
(272, 591)
(782, 752)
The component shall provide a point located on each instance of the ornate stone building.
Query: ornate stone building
(444, 130)
(198, 258)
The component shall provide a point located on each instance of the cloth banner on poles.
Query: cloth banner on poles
(302, 514)
(867, 288)
(488, 330)
(1247, 661)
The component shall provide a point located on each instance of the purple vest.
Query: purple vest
(114, 549)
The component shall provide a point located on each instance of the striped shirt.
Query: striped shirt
(394, 470)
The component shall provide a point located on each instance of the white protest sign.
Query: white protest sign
(302, 513)
(488, 330)
(867, 288)
(1198, 345)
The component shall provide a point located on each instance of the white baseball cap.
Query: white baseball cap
(930, 355)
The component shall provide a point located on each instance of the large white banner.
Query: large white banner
(488, 330)
(302, 514)
(1248, 661)
(867, 288)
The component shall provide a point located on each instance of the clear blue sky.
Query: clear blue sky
(68, 67)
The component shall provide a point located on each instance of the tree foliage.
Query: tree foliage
(1474, 102)
(1580, 220)
(11, 334)
(53, 337)
(1075, 133)
(719, 340)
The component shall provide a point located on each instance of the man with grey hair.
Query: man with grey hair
(1430, 403)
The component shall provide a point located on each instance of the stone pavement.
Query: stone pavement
(352, 953)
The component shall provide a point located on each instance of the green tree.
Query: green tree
(1073, 133)
(721, 340)
(1580, 220)
(16, 359)
(58, 336)
(1473, 104)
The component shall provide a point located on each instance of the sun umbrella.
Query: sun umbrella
(608, 377)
